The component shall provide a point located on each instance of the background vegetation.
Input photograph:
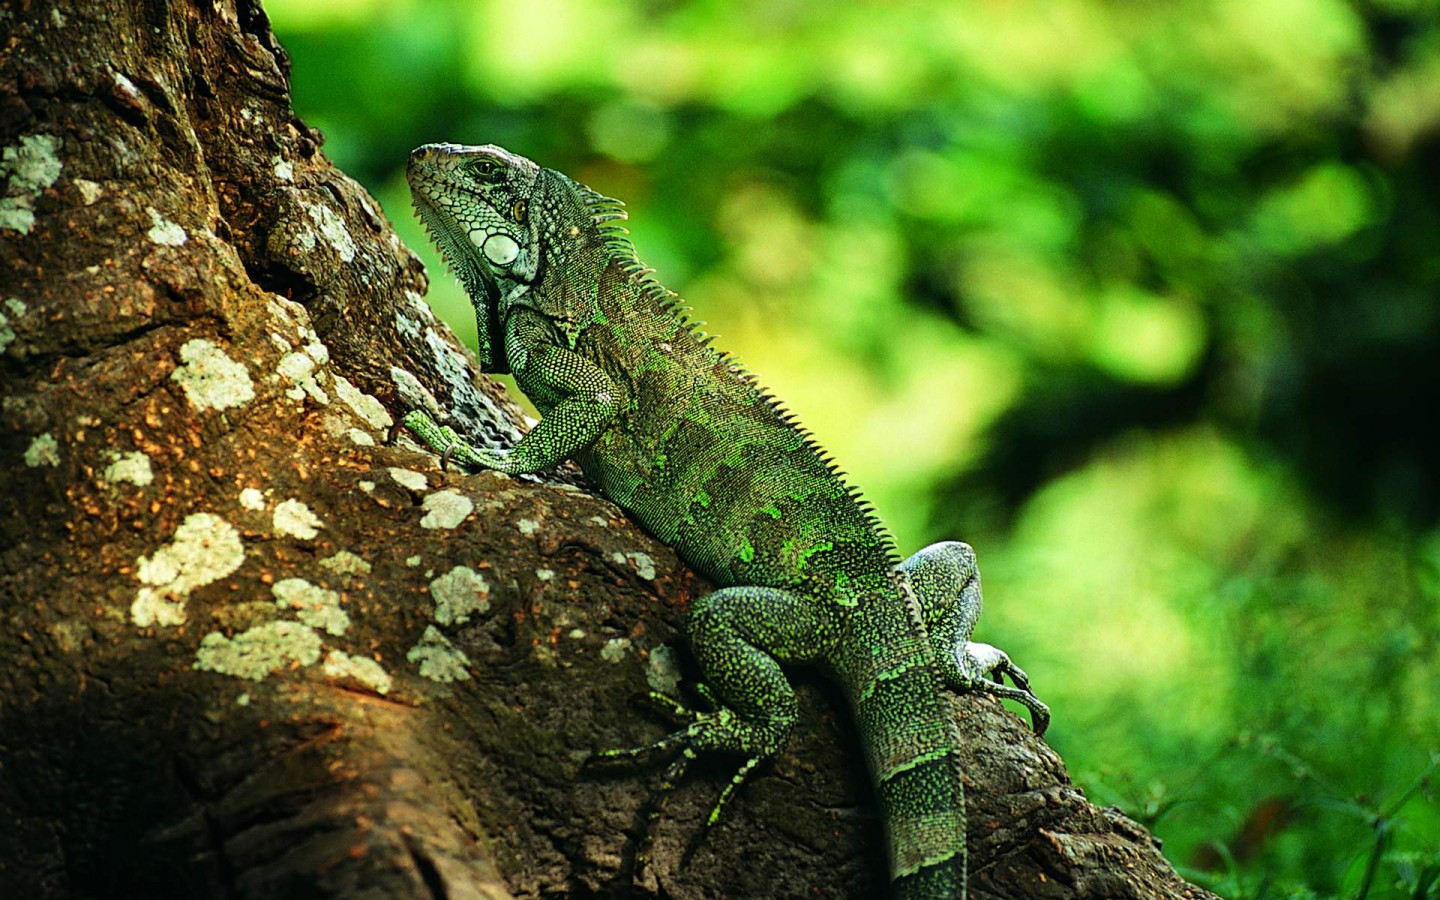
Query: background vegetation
(1143, 300)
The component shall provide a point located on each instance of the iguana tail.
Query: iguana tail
(911, 743)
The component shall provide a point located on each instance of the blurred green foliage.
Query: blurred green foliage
(1143, 300)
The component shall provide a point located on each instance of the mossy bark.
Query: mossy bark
(250, 648)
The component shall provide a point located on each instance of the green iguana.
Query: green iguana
(687, 442)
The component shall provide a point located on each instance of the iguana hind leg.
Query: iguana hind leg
(946, 579)
(740, 636)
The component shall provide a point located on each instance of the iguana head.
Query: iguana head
(475, 202)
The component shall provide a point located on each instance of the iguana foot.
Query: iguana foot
(715, 728)
(982, 668)
(445, 441)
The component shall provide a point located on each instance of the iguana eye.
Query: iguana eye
(482, 168)
(520, 210)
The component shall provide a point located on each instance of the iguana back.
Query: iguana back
(688, 443)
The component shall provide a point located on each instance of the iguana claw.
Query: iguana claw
(983, 668)
(707, 728)
(445, 441)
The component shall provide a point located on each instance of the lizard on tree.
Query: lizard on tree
(706, 460)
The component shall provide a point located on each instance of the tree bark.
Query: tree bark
(250, 648)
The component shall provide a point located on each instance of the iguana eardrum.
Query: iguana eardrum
(703, 458)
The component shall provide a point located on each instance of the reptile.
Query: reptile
(676, 433)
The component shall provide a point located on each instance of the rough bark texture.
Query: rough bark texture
(251, 650)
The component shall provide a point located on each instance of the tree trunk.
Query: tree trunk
(249, 648)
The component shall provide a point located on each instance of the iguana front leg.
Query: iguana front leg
(577, 401)
(946, 579)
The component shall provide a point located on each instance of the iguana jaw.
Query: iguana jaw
(457, 251)
(480, 284)
(431, 178)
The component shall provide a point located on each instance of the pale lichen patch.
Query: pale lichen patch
(364, 405)
(89, 191)
(662, 670)
(205, 548)
(333, 230)
(256, 652)
(439, 659)
(299, 369)
(458, 594)
(345, 563)
(644, 565)
(544, 574)
(283, 169)
(415, 394)
(311, 604)
(408, 326)
(27, 169)
(420, 307)
(360, 438)
(358, 668)
(70, 634)
(252, 499)
(599, 520)
(127, 87)
(527, 526)
(43, 451)
(295, 519)
(451, 364)
(163, 231)
(411, 325)
(305, 240)
(445, 509)
(133, 467)
(409, 479)
(412, 561)
(211, 379)
(615, 649)
(14, 309)
(285, 310)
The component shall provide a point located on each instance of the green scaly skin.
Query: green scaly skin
(705, 460)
